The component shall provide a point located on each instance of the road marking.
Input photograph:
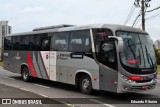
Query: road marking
(67, 104)
(70, 105)
(10, 85)
(108, 105)
(9, 78)
(44, 95)
(41, 86)
(23, 89)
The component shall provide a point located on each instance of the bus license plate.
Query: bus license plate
(145, 87)
(150, 76)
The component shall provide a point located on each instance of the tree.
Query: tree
(157, 51)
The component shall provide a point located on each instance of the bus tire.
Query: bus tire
(85, 84)
(25, 74)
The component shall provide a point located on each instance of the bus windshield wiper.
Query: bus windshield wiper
(134, 55)
(131, 48)
(139, 57)
(149, 57)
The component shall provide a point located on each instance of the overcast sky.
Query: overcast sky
(24, 15)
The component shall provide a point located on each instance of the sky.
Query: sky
(25, 15)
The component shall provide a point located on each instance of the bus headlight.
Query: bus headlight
(127, 79)
(124, 78)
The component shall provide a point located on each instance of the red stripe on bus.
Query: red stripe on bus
(31, 67)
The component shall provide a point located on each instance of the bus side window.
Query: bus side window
(36, 43)
(105, 49)
(45, 44)
(31, 41)
(16, 43)
(60, 41)
(8, 43)
(107, 54)
(80, 41)
(24, 42)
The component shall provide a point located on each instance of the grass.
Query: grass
(158, 69)
(1, 63)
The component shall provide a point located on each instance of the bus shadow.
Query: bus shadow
(49, 83)
(124, 98)
(101, 95)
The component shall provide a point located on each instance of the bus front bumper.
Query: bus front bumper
(135, 86)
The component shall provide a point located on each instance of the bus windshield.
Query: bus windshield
(138, 50)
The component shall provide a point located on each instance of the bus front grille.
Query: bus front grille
(144, 81)
(145, 87)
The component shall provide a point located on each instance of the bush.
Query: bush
(157, 51)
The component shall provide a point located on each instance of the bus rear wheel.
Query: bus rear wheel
(85, 84)
(25, 74)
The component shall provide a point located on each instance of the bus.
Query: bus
(105, 57)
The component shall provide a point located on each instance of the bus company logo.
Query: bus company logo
(6, 101)
(63, 56)
(18, 55)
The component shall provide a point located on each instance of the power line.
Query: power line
(130, 14)
(136, 19)
(154, 16)
(153, 9)
(149, 19)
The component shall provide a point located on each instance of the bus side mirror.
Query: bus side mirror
(120, 42)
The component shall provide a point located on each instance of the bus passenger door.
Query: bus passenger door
(60, 45)
(108, 66)
(53, 71)
(45, 54)
(62, 70)
(63, 74)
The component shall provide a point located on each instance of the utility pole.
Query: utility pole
(143, 14)
(143, 5)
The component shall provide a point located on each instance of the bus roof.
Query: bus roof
(112, 27)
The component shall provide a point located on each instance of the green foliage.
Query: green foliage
(157, 51)
(158, 69)
(1, 63)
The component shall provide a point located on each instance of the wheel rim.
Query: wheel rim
(25, 74)
(85, 84)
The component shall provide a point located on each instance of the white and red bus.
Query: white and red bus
(100, 56)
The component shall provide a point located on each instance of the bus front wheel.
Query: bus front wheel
(85, 84)
(25, 74)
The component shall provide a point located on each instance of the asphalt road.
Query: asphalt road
(14, 94)
(69, 95)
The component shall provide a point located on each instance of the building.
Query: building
(157, 44)
(4, 30)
